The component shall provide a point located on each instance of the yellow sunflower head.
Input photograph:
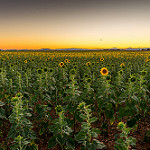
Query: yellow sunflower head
(61, 64)
(122, 64)
(146, 60)
(88, 63)
(101, 59)
(25, 61)
(104, 71)
(66, 60)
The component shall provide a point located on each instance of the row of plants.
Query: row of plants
(73, 101)
(22, 136)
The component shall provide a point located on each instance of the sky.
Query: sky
(35, 24)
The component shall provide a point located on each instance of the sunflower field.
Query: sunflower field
(74, 100)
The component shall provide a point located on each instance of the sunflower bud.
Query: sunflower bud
(58, 109)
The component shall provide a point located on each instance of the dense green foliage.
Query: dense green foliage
(63, 95)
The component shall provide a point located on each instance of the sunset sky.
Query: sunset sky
(35, 24)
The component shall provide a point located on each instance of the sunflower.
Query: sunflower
(25, 61)
(45, 69)
(66, 60)
(143, 72)
(122, 65)
(88, 63)
(61, 64)
(40, 71)
(101, 59)
(147, 60)
(93, 63)
(51, 70)
(88, 80)
(104, 71)
(69, 61)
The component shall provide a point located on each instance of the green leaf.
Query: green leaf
(2, 103)
(85, 126)
(98, 144)
(131, 122)
(92, 120)
(122, 135)
(52, 142)
(84, 117)
(147, 136)
(122, 112)
(132, 141)
(120, 141)
(120, 147)
(96, 130)
(104, 125)
(61, 138)
(41, 131)
(55, 129)
(81, 137)
(70, 143)
(109, 106)
(109, 113)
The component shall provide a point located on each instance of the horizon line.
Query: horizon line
(72, 48)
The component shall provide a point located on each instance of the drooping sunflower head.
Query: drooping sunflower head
(45, 69)
(74, 64)
(61, 64)
(75, 67)
(40, 71)
(86, 75)
(143, 72)
(88, 80)
(112, 65)
(104, 71)
(51, 70)
(93, 63)
(121, 72)
(1, 70)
